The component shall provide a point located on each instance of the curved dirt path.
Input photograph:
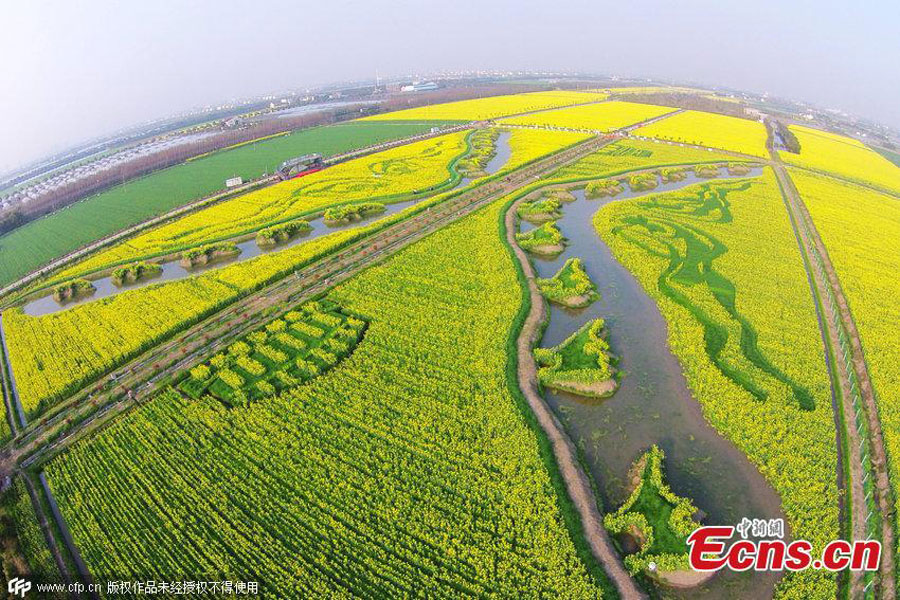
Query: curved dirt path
(577, 484)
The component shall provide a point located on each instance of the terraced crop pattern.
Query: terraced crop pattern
(844, 157)
(481, 109)
(409, 466)
(604, 117)
(287, 352)
(745, 333)
(394, 174)
(711, 130)
(54, 355)
(861, 231)
(38, 242)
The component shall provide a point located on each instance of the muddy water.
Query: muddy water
(503, 152)
(172, 270)
(653, 404)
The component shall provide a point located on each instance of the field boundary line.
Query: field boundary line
(861, 406)
(307, 280)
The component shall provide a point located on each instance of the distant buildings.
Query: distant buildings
(419, 86)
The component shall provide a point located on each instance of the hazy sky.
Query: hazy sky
(74, 69)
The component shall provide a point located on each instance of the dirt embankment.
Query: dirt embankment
(577, 484)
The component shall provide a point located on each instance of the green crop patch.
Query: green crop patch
(676, 228)
(289, 351)
(570, 286)
(539, 211)
(582, 364)
(659, 520)
(545, 240)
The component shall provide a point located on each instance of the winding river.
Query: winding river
(172, 270)
(653, 404)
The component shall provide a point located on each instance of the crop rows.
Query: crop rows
(56, 354)
(844, 157)
(394, 173)
(627, 155)
(860, 229)
(481, 109)
(742, 323)
(711, 130)
(407, 467)
(52, 236)
(605, 116)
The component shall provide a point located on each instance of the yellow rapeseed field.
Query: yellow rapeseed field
(529, 144)
(629, 154)
(708, 129)
(397, 171)
(605, 116)
(56, 354)
(861, 231)
(480, 109)
(843, 156)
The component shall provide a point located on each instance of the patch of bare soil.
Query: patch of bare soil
(547, 249)
(600, 389)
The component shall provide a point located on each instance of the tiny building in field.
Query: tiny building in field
(300, 165)
(234, 182)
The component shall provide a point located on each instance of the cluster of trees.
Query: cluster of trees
(788, 137)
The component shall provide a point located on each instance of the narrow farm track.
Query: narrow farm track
(141, 376)
(862, 425)
(47, 532)
(576, 480)
(853, 505)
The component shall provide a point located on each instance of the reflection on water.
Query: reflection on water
(653, 404)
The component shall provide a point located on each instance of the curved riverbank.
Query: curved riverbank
(576, 480)
(653, 403)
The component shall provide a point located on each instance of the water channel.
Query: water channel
(172, 269)
(653, 404)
